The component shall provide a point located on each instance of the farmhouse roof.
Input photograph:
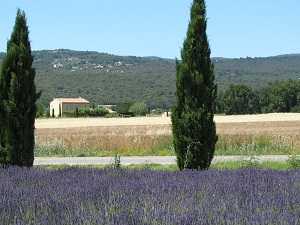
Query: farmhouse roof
(72, 100)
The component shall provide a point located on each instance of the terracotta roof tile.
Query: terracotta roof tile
(72, 100)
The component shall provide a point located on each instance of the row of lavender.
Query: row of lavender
(121, 196)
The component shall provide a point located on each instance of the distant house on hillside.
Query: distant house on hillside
(58, 105)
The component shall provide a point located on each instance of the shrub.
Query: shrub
(294, 161)
(249, 162)
(98, 112)
(82, 112)
(139, 109)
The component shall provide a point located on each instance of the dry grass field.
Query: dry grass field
(152, 135)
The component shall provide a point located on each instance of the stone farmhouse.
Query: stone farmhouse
(59, 105)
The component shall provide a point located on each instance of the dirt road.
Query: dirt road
(127, 160)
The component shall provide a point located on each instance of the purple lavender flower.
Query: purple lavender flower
(123, 196)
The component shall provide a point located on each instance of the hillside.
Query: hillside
(108, 79)
(256, 72)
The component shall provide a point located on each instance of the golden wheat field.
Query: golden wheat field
(133, 134)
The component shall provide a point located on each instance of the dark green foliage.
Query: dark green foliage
(157, 111)
(77, 113)
(40, 111)
(294, 161)
(123, 107)
(193, 124)
(277, 96)
(59, 114)
(3, 151)
(83, 112)
(105, 79)
(238, 99)
(139, 109)
(280, 96)
(149, 80)
(97, 112)
(46, 112)
(18, 98)
(255, 72)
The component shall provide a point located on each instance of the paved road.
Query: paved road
(127, 160)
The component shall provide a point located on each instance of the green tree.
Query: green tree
(193, 125)
(3, 150)
(59, 113)
(40, 111)
(99, 112)
(123, 107)
(280, 96)
(18, 97)
(47, 112)
(239, 99)
(139, 109)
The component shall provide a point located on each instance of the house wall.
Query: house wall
(65, 106)
(73, 106)
(54, 105)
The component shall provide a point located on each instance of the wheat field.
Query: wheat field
(94, 122)
(145, 135)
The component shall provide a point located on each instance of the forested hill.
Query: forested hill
(103, 78)
(256, 72)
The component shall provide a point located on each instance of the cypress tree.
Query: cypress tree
(3, 152)
(18, 97)
(193, 126)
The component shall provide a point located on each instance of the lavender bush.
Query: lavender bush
(122, 196)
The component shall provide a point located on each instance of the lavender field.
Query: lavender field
(122, 196)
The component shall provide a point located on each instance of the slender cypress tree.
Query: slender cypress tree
(193, 125)
(18, 97)
(3, 152)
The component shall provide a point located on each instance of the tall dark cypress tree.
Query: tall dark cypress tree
(18, 97)
(193, 126)
(3, 152)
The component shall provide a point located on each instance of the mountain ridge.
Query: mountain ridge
(104, 78)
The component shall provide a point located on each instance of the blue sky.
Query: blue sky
(236, 28)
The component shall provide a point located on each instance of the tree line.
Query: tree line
(275, 97)
(149, 80)
(238, 99)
